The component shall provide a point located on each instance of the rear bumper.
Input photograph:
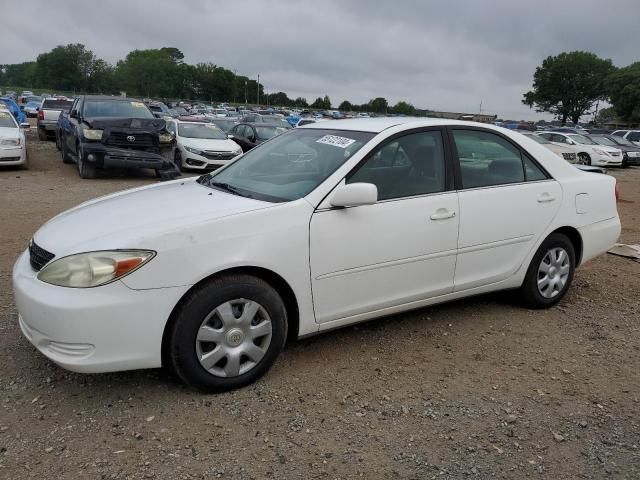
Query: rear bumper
(599, 237)
(47, 126)
(13, 156)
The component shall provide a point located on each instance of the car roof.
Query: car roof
(110, 97)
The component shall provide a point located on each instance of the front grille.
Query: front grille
(217, 155)
(140, 140)
(38, 256)
(9, 159)
(569, 156)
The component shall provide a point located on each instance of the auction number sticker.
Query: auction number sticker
(340, 142)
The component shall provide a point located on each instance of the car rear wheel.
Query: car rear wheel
(42, 135)
(550, 273)
(227, 333)
(584, 159)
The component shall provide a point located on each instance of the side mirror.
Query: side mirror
(25, 125)
(230, 137)
(354, 194)
(73, 114)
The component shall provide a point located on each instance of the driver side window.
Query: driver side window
(407, 166)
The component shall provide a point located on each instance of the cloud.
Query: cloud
(439, 55)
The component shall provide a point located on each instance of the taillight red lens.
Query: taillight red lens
(617, 190)
(40, 115)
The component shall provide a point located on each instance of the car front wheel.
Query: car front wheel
(584, 159)
(227, 333)
(550, 272)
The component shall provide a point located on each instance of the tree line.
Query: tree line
(160, 73)
(571, 84)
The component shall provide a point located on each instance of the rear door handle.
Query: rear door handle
(546, 197)
(443, 214)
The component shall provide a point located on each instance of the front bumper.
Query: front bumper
(13, 156)
(92, 330)
(200, 162)
(606, 160)
(628, 160)
(105, 156)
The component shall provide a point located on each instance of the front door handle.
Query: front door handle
(443, 214)
(546, 197)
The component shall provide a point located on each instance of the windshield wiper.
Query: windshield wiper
(229, 188)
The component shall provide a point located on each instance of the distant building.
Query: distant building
(618, 124)
(471, 117)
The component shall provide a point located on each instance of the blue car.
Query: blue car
(14, 109)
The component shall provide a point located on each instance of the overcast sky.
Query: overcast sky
(438, 55)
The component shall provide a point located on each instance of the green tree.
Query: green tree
(604, 115)
(378, 105)
(318, 103)
(20, 74)
(623, 87)
(326, 101)
(279, 99)
(404, 108)
(301, 102)
(66, 67)
(153, 72)
(345, 106)
(568, 84)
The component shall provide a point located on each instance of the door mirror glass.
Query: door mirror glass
(354, 194)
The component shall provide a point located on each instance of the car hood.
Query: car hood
(224, 145)
(7, 132)
(154, 124)
(140, 217)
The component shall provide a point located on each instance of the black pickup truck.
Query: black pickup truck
(104, 132)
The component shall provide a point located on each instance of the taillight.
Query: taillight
(617, 190)
(41, 115)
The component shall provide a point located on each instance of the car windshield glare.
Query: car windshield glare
(116, 108)
(201, 130)
(582, 139)
(289, 166)
(7, 121)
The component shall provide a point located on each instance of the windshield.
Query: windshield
(624, 141)
(7, 121)
(57, 104)
(582, 139)
(290, 166)
(201, 130)
(268, 132)
(605, 141)
(116, 108)
(538, 139)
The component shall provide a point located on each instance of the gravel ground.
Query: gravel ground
(475, 389)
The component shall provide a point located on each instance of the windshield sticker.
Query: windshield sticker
(137, 104)
(340, 142)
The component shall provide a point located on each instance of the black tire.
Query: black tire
(42, 135)
(529, 291)
(85, 169)
(177, 159)
(181, 335)
(65, 155)
(584, 159)
(57, 138)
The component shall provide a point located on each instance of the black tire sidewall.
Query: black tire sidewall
(200, 303)
(531, 295)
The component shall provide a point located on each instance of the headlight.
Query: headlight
(15, 142)
(165, 138)
(92, 269)
(92, 134)
(600, 152)
(192, 150)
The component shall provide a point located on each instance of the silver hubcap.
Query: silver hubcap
(553, 272)
(233, 338)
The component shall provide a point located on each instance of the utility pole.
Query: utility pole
(245, 93)
(258, 96)
(235, 77)
(480, 112)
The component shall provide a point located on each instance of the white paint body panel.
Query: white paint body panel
(343, 266)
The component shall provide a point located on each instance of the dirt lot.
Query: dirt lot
(474, 389)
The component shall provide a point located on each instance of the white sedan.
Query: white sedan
(13, 149)
(563, 151)
(201, 146)
(327, 225)
(589, 152)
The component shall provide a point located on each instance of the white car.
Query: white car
(631, 135)
(588, 151)
(13, 148)
(324, 226)
(201, 146)
(563, 151)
